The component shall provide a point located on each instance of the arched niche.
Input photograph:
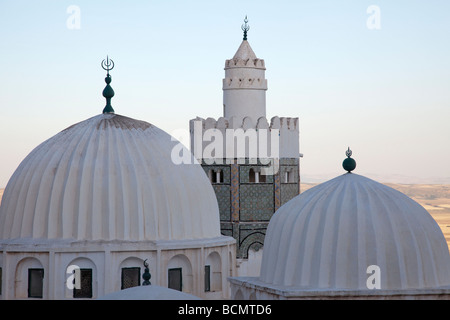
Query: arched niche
(29, 279)
(214, 262)
(82, 272)
(179, 273)
(238, 295)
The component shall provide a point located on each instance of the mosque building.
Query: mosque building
(350, 238)
(101, 206)
(250, 184)
(86, 208)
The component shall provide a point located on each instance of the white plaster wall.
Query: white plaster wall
(250, 267)
(244, 102)
(107, 261)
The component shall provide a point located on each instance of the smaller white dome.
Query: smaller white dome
(150, 292)
(328, 236)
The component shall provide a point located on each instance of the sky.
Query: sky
(370, 75)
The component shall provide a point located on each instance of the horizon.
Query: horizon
(370, 75)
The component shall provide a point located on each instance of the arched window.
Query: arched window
(130, 272)
(85, 290)
(212, 176)
(35, 282)
(130, 277)
(255, 176)
(215, 176)
(262, 177)
(252, 175)
(289, 176)
(175, 276)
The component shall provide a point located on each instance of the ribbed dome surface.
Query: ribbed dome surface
(328, 236)
(106, 178)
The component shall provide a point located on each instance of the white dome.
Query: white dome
(106, 178)
(328, 236)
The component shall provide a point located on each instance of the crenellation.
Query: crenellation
(282, 124)
(249, 63)
(262, 123)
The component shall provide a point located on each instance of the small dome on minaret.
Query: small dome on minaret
(245, 52)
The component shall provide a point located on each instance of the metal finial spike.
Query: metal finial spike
(348, 153)
(109, 65)
(146, 276)
(349, 164)
(245, 27)
(108, 92)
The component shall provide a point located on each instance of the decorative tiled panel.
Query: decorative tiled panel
(277, 191)
(288, 191)
(254, 162)
(289, 161)
(224, 200)
(256, 202)
(250, 236)
(235, 202)
(226, 229)
(246, 208)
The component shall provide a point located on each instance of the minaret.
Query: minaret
(252, 161)
(244, 86)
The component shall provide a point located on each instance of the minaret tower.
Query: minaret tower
(252, 162)
(244, 86)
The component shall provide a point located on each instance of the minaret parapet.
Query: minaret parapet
(283, 123)
(244, 83)
(242, 63)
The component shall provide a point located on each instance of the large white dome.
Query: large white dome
(108, 178)
(328, 236)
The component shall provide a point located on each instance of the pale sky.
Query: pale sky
(383, 91)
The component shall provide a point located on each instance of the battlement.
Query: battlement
(279, 138)
(244, 83)
(245, 63)
(283, 123)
